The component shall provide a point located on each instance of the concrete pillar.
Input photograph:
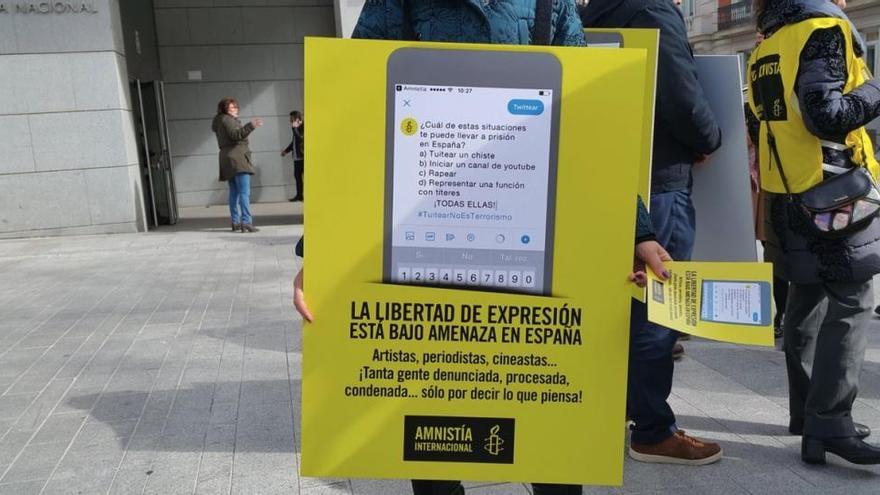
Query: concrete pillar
(68, 156)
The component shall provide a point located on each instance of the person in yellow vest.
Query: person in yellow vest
(813, 95)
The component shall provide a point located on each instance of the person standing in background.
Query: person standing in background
(236, 166)
(685, 133)
(812, 95)
(296, 149)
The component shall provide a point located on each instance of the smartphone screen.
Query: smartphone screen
(744, 303)
(471, 169)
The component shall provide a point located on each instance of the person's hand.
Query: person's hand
(299, 299)
(652, 254)
(257, 123)
(284, 153)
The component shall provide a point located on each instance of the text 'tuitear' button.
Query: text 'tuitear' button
(525, 107)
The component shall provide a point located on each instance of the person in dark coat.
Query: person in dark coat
(819, 98)
(236, 167)
(685, 132)
(296, 149)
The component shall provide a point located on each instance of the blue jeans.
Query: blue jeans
(240, 196)
(650, 345)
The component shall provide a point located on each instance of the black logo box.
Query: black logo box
(492, 439)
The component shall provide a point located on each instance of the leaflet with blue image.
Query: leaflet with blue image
(743, 303)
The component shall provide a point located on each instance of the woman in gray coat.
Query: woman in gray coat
(235, 161)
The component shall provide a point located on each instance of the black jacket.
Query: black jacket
(684, 126)
(830, 114)
(297, 143)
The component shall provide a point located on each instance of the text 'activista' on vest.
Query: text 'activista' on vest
(773, 69)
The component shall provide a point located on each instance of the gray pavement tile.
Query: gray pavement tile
(36, 462)
(265, 392)
(267, 438)
(119, 406)
(602, 490)
(274, 414)
(13, 406)
(173, 472)
(85, 471)
(157, 407)
(838, 473)
(380, 487)
(60, 428)
(342, 488)
(146, 436)
(97, 433)
(159, 331)
(15, 361)
(780, 482)
(43, 405)
(224, 413)
(42, 372)
(720, 486)
(215, 468)
(11, 444)
(274, 483)
(22, 488)
(133, 473)
(78, 400)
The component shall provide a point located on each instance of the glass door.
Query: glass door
(154, 152)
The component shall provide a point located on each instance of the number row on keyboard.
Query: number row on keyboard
(489, 278)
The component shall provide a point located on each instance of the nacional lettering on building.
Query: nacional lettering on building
(48, 8)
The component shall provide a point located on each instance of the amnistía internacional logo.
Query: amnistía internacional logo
(459, 439)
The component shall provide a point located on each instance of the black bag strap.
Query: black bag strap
(407, 31)
(771, 139)
(542, 33)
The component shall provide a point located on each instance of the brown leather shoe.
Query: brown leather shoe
(677, 449)
(248, 227)
(236, 227)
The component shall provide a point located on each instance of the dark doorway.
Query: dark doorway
(154, 152)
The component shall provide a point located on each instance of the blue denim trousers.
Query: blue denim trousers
(240, 199)
(650, 345)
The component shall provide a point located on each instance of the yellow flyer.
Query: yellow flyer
(463, 329)
(730, 302)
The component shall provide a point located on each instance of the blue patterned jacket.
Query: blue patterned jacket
(468, 21)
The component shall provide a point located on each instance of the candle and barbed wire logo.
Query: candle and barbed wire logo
(494, 442)
(459, 439)
(409, 126)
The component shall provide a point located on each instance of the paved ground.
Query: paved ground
(169, 362)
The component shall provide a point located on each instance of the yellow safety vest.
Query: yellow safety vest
(773, 68)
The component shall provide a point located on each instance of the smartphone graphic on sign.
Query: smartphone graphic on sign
(471, 157)
(737, 302)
